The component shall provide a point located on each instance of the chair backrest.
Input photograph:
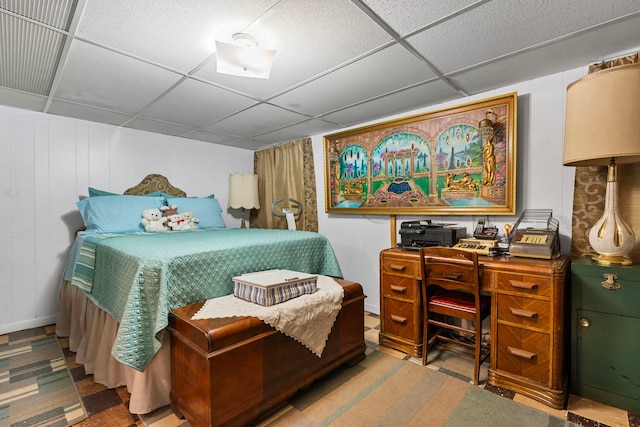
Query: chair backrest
(450, 268)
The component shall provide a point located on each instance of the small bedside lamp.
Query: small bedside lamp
(602, 127)
(243, 193)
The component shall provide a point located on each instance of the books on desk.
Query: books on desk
(480, 246)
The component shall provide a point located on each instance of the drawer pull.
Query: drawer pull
(399, 319)
(399, 289)
(523, 313)
(453, 276)
(610, 283)
(397, 267)
(523, 285)
(521, 353)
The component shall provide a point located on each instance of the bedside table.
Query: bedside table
(605, 333)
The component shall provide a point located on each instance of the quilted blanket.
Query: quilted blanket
(138, 278)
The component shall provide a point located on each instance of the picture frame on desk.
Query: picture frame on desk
(459, 160)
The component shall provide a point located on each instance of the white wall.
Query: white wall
(48, 161)
(542, 183)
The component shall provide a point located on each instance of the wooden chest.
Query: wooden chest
(229, 371)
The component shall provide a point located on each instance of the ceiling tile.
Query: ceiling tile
(395, 68)
(179, 34)
(86, 112)
(54, 13)
(551, 59)
(157, 126)
(306, 47)
(256, 120)
(406, 100)
(196, 104)
(297, 131)
(106, 79)
(408, 16)
(25, 100)
(213, 137)
(249, 144)
(29, 55)
(500, 27)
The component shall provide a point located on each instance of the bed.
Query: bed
(121, 282)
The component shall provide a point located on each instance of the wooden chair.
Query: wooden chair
(451, 289)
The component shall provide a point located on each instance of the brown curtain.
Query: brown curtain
(590, 190)
(286, 172)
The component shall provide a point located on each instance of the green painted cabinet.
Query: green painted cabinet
(605, 333)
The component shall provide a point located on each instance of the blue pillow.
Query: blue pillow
(206, 209)
(94, 192)
(159, 194)
(116, 214)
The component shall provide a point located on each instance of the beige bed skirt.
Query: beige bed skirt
(92, 332)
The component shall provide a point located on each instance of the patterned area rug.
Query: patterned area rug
(36, 388)
(386, 391)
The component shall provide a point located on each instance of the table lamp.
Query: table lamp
(602, 127)
(243, 193)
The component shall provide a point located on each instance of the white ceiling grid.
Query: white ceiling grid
(150, 64)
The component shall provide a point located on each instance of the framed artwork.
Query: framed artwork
(455, 161)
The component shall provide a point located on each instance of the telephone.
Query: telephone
(485, 233)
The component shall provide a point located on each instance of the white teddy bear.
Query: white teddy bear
(177, 222)
(153, 220)
(190, 219)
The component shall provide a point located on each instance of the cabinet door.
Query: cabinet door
(606, 364)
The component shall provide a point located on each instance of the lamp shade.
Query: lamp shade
(243, 191)
(603, 118)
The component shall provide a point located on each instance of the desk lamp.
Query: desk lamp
(243, 193)
(602, 127)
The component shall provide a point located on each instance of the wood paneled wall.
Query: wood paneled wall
(48, 162)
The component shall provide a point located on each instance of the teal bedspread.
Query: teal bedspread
(138, 278)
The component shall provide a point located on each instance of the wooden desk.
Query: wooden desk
(529, 319)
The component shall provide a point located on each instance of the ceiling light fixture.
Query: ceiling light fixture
(243, 57)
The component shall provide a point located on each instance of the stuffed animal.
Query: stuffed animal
(177, 222)
(169, 210)
(153, 220)
(190, 219)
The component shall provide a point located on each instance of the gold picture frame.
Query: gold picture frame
(455, 161)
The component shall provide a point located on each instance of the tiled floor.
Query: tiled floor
(109, 407)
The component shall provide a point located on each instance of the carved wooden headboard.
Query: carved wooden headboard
(155, 182)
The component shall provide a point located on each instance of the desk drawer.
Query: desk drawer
(530, 312)
(399, 319)
(521, 283)
(523, 352)
(401, 267)
(399, 287)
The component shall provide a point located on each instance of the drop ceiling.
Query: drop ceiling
(151, 64)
